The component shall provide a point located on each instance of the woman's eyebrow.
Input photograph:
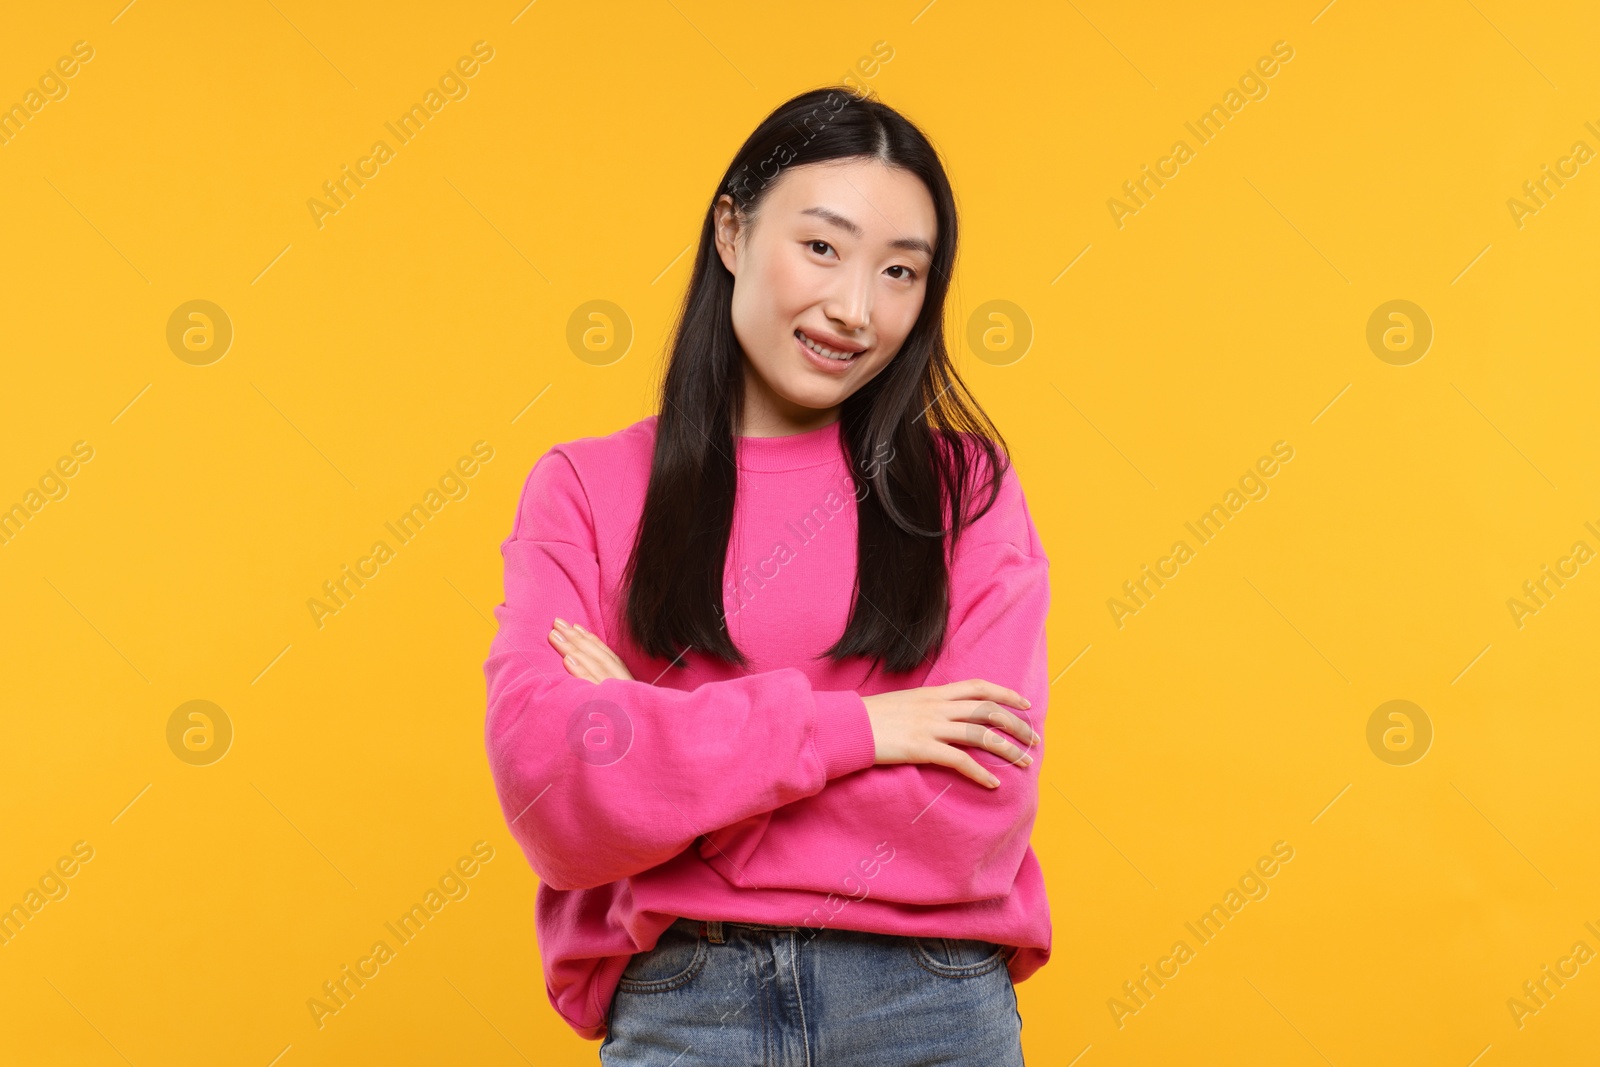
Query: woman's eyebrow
(909, 244)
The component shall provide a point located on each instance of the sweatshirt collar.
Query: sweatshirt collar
(792, 452)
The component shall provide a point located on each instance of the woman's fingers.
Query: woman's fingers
(575, 658)
(574, 661)
(613, 664)
(1016, 725)
(959, 760)
(988, 713)
(980, 689)
(978, 735)
(584, 655)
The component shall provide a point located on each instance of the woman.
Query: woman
(759, 704)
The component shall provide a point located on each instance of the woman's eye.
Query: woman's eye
(909, 275)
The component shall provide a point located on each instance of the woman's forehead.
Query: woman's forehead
(862, 198)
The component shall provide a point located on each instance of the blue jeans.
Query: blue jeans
(752, 995)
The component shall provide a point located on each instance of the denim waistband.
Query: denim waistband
(716, 931)
(719, 932)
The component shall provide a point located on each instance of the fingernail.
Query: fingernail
(1027, 703)
(1027, 760)
(561, 621)
(578, 628)
(557, 635)
(993, 782)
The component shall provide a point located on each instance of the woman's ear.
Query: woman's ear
(727, 228)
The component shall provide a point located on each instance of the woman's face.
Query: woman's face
(839, 253)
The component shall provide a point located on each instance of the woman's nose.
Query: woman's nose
(852, 307)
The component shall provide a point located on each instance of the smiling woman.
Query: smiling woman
(847, 292)
(691, 770)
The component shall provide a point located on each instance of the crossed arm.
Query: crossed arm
(909, 726)
(948, 841)
(685, 774)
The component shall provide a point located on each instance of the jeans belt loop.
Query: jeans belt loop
(713, 931)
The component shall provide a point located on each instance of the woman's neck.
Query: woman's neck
(768, 415)
(774, 427)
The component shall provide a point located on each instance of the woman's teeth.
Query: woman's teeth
(826, 353)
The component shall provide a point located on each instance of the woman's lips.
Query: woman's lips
(823, 363)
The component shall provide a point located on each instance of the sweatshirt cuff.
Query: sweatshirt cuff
(842, 733)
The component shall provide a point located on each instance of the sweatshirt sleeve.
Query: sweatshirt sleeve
(601, 782)
(923, 833)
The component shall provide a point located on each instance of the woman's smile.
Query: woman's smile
(824, 356)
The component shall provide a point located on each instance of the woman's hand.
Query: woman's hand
(584, 655)
(922, 725)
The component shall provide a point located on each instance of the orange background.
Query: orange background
(1164, 356)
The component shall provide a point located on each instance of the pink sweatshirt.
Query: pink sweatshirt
(713, 793)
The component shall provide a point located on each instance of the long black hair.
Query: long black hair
(902, 431)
